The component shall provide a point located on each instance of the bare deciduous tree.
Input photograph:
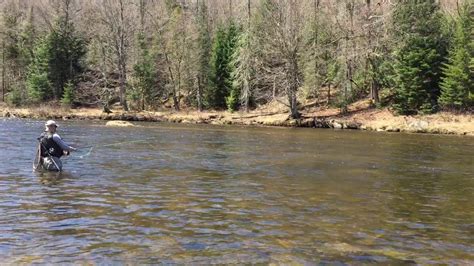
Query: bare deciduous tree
(282, 20)
(116, 17)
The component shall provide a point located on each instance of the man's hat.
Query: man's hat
(51, 123)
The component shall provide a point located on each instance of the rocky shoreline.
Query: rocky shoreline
(372, 121)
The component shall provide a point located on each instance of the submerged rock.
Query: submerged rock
(119, 123)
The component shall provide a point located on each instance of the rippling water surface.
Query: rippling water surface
(204, 194)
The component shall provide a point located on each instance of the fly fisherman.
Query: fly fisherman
(51, 148)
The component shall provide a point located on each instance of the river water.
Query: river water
(183, 194)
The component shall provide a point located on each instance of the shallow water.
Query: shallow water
(204, 194)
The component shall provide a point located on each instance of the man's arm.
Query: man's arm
(62, 144)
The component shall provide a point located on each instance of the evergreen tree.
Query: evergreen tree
(458, 81)
(144, 74)
(221, 68)
(204, 52)
(419, 57)
(57, 60)
(17, 44)
(68, 94)
(37, 81)
(27, 39)
(67, 49)
(243, 73)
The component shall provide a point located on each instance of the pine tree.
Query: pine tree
(204, 52)
(243, 73)
(57, 60)
(17, 43)
(37, 81)
(221, 67)
(419, 58)
(458, 81)
(68, 94)
(67, 49)
(144, 74)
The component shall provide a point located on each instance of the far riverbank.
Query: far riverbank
(359, 117)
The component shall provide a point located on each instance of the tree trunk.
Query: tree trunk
(274, 89)
(122, 84)
(374, 86)
(122, 58)
(329, 93)
(293, 87)
(315, 46)
(175, 99)
(293, 104)
(143, 103)
(178, 97)
(374, 92)
(3, 71)
(199, 94)
(248, 14)
(247, 94)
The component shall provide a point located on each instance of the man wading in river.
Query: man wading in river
(51, 148)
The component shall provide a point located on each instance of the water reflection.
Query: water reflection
(51, 178)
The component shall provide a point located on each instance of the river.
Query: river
(189, 194)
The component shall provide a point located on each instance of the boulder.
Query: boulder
(336, 125)
(119, 123)
(321, 123)
(307, 122)
(352, 125)
(293, 123)
(418, 126)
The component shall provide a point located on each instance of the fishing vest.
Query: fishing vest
(49, 146)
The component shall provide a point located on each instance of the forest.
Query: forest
(413, 56)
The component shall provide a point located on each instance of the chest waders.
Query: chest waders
(47, 148)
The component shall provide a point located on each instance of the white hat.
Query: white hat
(51, 123)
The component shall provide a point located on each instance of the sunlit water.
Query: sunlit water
(204, 194)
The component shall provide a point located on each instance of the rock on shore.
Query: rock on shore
(119, 123)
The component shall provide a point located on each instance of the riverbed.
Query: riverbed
(175, 193)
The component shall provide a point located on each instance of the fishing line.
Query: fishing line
(91, 148)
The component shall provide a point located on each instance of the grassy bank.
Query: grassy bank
(360, 116)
